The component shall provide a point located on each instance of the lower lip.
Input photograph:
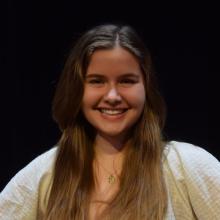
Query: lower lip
(113, 117)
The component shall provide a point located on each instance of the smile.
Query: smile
(112, 111)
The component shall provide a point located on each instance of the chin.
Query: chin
(113, 134)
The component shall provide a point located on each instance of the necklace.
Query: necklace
(111, 177)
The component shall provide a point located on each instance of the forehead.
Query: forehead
(113, 60)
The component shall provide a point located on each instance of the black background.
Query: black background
(182, 41)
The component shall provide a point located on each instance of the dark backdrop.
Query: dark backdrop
(38, 41)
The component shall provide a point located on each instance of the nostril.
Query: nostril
(113, 102)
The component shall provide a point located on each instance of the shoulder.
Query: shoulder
(193, 178)
(21, 195)
(190, 160)
(186, 152)
(37, 168)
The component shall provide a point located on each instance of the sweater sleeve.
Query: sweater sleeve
(19, 199)
(201, 178)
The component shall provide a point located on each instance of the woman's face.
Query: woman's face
(114, 94)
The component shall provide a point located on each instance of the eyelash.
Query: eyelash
(123, 81)
(127, 81)
(96, 81)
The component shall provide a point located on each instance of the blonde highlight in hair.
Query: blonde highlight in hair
(142, 192)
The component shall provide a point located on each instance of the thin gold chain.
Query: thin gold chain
(111, 178)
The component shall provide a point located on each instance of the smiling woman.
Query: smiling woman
(112, 161)
(113, 97)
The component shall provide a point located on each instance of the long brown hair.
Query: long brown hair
(142, 193)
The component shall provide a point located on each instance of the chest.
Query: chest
(101, 198)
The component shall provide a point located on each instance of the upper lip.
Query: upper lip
(107, 108)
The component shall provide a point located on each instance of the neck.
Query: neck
(109, 146)
(110, 152)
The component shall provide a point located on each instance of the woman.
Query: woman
(111, 161)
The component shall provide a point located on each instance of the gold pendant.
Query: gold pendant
(111, 179)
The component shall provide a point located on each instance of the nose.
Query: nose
(112, 96)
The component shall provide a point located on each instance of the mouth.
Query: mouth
(112, 112)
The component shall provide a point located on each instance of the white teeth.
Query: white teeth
(112, 111)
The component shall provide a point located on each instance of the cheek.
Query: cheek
(90, 98)
(137, 97)
(140, 102)
(141, 94)
(86, 105)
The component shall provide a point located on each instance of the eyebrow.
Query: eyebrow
(94, 75)
(121, 76)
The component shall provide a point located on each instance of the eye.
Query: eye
(95, 81)
(128, 81)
